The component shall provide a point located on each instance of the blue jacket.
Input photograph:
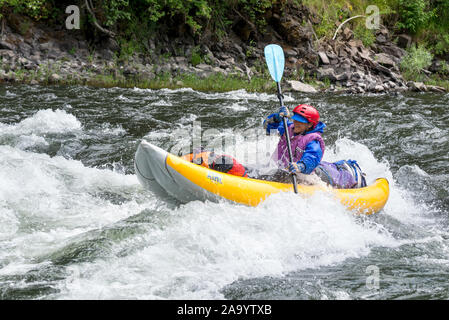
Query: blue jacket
(312, 154)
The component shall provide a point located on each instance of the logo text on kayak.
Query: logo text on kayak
(214, 178)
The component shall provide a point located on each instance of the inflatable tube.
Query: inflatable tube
(166, 174)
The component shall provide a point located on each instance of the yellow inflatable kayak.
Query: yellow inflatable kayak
(169, 175)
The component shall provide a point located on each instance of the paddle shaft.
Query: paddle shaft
(287, 136)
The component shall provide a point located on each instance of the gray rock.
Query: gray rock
(301, 87)
(391, 84)
(323, 57)
(331, 55)
(202, 74)
(342, 76)
(45, 46)
(219, 70)
(393, 50)
(347, 34)
(292, 60)
(181, 60)
(10, 76)
(404, 41)
(55, 53)
(436, 88)
(203, 66)
(239, 50)
(380, 38)
(151, 44)
(362, 85)
(290, 52)
(417, 86)
(107, 54)
(6, 45)
(129, 70)
(328, 73)
(379, 88)
(36, 59)
(111, 44)
(55, 77)
(384, 59)
(357, 75)
(8, 54)
(147, 75)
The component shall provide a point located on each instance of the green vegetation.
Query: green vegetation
(36, 9)
(366, 35)
(134, 22)
(415, 61)
(195, 57)
(137, 24)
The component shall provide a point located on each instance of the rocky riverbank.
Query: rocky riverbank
(37, 54)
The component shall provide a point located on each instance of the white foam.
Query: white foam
(44, 121)
(211, 245)
(32, 131)
(237, 106)
(51, 199)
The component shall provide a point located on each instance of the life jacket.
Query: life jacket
(219, 162)
(298, 144)
(199, 158)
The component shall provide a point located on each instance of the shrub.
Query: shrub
(414, 15)
(196, 56)
(413, 63)
(366, 35)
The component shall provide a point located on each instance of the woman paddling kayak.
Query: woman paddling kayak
(308, 148)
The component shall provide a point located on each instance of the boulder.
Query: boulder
(379, 88)
(347, 34)
(384, 59)
(323, 57)
(290, 52)
(342, 76)
(8, 54)
(204, 67)
(417, 86)
(380, 38)
(6, 45)
(357, 75)
(404, 41)
(106, 54)
(393, 50)
(55, 77)
(301, 87)
(326, 73)
(294, 32)
(436, 88)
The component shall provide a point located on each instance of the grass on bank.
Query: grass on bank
(216, 82)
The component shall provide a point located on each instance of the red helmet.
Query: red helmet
(308, 112)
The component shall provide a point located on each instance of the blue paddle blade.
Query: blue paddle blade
(274, 55)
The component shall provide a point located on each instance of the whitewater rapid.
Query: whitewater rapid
(103, 236)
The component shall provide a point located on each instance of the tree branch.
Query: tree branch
(344, 23)
(90, 9)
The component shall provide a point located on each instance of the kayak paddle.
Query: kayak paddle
(274, 56)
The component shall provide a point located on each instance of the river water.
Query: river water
(76, 224)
